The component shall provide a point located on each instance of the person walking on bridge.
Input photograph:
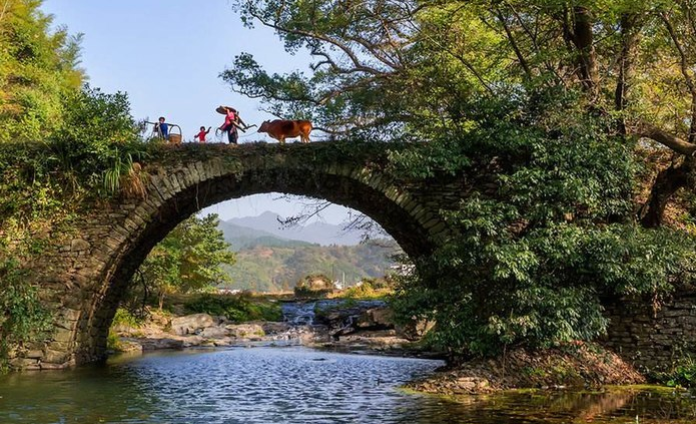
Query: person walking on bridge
(162, 128)
(232, 122)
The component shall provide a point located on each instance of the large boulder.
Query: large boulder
(273, 328)
(415, 329)
(379, 318)
(214, 332)
(343, 317)
(192, 324)
(245, 331)
(159, 344)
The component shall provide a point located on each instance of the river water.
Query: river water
(298, 385)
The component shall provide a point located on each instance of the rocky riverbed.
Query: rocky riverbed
(329, 324)
(368, 327)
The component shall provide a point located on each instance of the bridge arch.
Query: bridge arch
(116, 238)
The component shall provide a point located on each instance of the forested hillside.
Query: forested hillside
(269, 263)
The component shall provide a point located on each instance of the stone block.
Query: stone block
(79, 245)
(24, 363)
(56, 357)
(55, 367)
(34, 354)
(62, 336)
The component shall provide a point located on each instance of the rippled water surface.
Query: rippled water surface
(296, 385)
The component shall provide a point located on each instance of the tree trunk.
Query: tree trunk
(667, 183)
(583, 38)
(630, 38)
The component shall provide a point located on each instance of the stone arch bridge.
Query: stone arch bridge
(85, 277)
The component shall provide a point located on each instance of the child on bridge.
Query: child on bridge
(201, 135)
(162, 128)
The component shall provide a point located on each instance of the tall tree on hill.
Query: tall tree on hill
(38, 66)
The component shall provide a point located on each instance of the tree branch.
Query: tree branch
(4, 9)
(341, 46)
(666, 139)
(629, 35)
(667, 182)
(373, 50)
(534, 39)
(515, 47)
(684, 67)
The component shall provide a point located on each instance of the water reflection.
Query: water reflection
(296, 385)
(614, 405)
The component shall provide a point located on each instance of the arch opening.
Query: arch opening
(342, 190)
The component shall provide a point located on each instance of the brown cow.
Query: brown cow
(280, 129)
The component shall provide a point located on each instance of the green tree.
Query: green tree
(37, 68)
(534, 255)
(408, 67)
(189, 259)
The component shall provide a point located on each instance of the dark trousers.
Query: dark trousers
(232, 134)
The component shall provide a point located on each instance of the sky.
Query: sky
(167, 55)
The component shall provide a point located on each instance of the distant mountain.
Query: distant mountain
(264, 269)
(247, 238)
(318, 232)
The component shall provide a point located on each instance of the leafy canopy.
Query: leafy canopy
(189, 259)
(37, 68)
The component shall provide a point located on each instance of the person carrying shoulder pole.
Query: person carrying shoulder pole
(162, 128)
(232, 122)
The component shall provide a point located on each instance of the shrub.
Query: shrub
(370, 288)
(534, 251)
(314, 285)
(236, 308)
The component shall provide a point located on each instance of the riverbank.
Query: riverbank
(335, 325)
(577, 366)
(366, 327)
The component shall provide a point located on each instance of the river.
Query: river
(298, 385)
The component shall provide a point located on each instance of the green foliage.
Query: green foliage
(126, 318)
(369, 288)
(681, 373)
(38, 67)
(534, 254)
(113, 342)
(97, 138)
(23, 319)
(314, 285)
(189, 259)
(237, 308)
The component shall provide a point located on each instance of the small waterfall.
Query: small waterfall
(303, 313)
(298, 313)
